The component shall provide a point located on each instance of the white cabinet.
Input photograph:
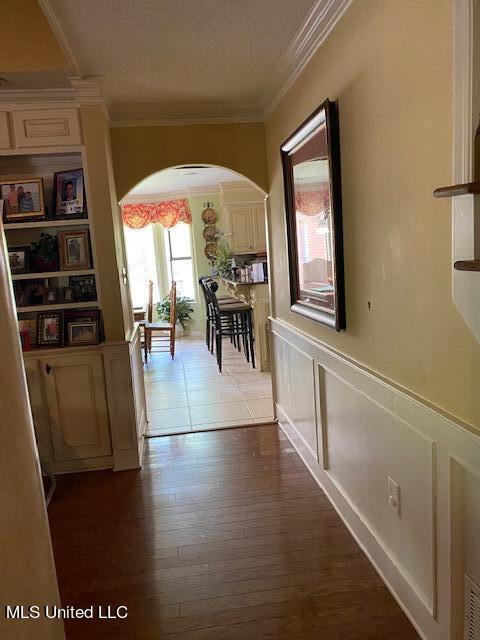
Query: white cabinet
(46, 128)
(77, 406)
(70, 413)
(247, 226)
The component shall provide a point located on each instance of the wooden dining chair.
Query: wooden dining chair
(151, 328)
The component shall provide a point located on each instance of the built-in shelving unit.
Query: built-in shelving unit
(32, 275)
(45, 224)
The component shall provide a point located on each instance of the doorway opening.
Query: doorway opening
(182, 225)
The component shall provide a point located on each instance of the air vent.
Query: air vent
(472, 610)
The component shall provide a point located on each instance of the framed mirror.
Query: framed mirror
(313, 203)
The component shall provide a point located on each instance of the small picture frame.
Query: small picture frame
(25, 340)
(50, 296)
(29, 325)
(18, 259)
(83, 332)
(22, 199)
(84, 287)
(69, 194)
(68, 294)
(50, 329)
(74, 250)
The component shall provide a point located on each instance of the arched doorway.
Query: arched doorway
(169, 236)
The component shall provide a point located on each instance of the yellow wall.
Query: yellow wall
(27, 42)
(389, 64)
(140, 151)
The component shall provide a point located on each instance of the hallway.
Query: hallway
(190, 394)
(222, 535)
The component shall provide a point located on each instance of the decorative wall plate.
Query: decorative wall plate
(211, 250)
(209, 233)
(209, 216)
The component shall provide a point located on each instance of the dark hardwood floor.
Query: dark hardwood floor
(223, 535)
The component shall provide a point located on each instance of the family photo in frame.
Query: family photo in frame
(69, 194)
(22, 199)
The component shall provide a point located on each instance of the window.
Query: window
(141, 263)
(178, 251)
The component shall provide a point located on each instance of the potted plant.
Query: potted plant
(44, 253)
(223, 260)
(183, 311)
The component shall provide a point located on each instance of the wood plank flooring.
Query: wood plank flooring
(223, 535)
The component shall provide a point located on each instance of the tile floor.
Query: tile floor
(189, 394)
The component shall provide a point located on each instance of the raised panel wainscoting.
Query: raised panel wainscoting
(354, 431)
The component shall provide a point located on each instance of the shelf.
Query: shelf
(57, 307)
(38, 352)
(457, 190)
(467, 265)
(51, 274)
(42, 224)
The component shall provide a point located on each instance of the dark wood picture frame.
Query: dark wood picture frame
(69, 206)
(323, 119)
(23, 209)
(67, 263)
(23, 268)
(56, 339)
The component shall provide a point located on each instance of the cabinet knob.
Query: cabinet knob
(48, 368)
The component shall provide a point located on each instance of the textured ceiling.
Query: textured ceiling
(173, 180)
(181, 57)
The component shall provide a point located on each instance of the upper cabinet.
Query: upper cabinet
(46, 128)
(247, 226)
(5, 140)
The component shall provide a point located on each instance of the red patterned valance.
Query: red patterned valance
(312, 203)
(167, 213)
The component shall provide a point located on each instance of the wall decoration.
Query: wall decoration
(311, 172)
(82, 333)
(83, 287)
(50, 329)
(18, 259)
(210, 233)
(208, 214)
(211, 250)
(69, 194)
(74, 250)
(209, 218)
(22, 199)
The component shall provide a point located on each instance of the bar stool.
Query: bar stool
(233, 320)
(222, 300)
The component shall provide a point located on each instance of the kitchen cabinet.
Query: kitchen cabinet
(46, 127)
(247, 226)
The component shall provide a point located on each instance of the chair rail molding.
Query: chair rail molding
(466, 208)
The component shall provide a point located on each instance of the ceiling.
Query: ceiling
(180, 58)
(188, 179)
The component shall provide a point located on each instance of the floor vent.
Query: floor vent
(472, 610)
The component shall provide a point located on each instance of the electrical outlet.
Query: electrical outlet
(393, 495)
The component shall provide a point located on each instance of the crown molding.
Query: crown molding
(174, 120)
(49, 13)
(321, 20)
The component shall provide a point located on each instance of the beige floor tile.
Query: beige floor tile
(166, 401)
(260, 408)
(168, 431)
(194, 382)
(268, 420)
(213, 396)
(163, 418)
(253, 377)
(208, 371)
(208, 414)
(167, 374)
(165, 386)
(252, 392)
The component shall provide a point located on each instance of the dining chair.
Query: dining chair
(151, 328)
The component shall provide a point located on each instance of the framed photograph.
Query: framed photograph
(313, 204)
(69, 194)
(29, 325)
(82, 333)
(84, 287)
(68, 294)
(22, 199)
(74, 250)
(50, 329)
(50, 296)
(18, 259)
(25, 340)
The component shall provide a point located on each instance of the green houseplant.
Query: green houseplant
(44, 253)
(183, 310)
(223, 260)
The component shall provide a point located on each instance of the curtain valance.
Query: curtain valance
(167, 213)
(312, 203)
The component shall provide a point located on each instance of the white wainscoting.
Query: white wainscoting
(354, 430)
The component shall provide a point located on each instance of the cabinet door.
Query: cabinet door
(39, 409)
(77, 405)
(46, 127)
(241, 224)
(259, 227)
(5, 142)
